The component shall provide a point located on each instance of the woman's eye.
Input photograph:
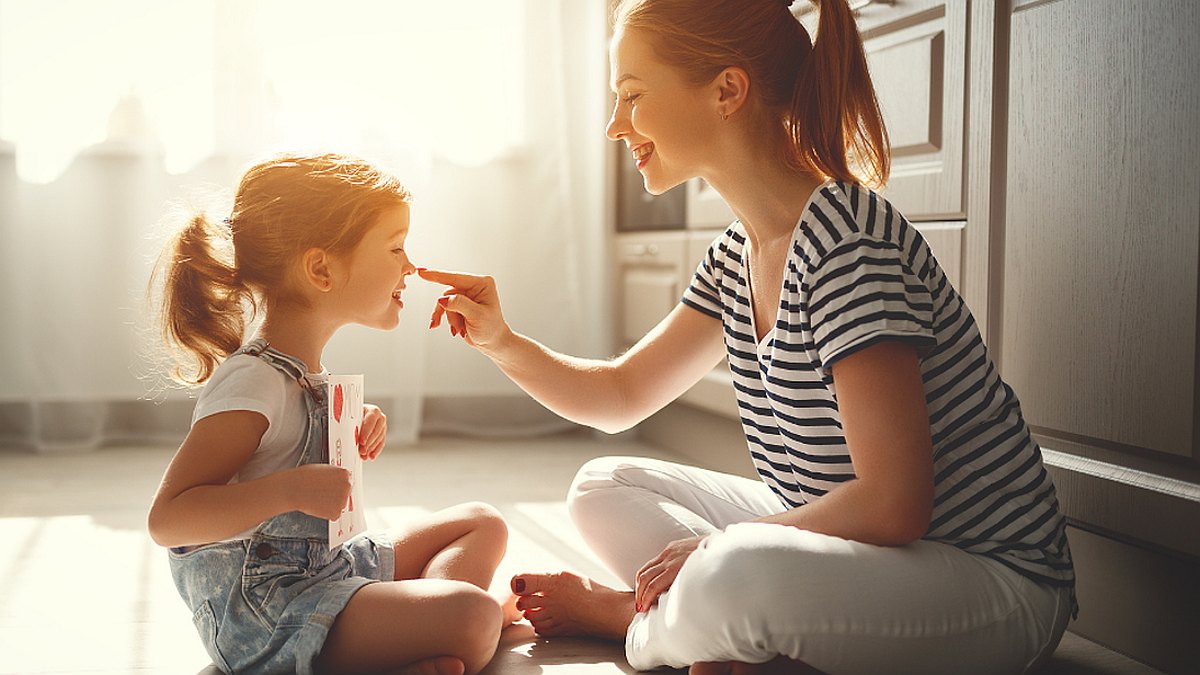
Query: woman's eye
(630, 98)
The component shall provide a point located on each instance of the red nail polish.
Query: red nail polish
(518, 585)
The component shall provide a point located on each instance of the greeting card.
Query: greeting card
(345, 424)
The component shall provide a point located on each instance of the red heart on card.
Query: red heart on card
(357, 441)
(337, 402)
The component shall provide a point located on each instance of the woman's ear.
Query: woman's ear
(732, 86)
(316, 269)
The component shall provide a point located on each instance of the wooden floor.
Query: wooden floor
(83, 589)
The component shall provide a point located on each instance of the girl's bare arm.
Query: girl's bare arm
(195, 504)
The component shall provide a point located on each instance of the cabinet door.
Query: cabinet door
(918, 65)
(650, 280)
(1101, 245)
(917, 54)
(946, 241)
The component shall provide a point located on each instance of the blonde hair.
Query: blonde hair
(215, 276)
(819, 95)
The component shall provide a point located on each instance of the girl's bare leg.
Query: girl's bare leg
(461, 543)
(418, 626)
(436, 618)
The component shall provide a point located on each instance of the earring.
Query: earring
(724, 117)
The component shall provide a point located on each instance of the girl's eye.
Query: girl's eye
(630, 98)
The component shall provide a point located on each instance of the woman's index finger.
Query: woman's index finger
(449, 278)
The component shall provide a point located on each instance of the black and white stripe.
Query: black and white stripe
(858, 273)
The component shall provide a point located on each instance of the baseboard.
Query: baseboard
(1138, 602)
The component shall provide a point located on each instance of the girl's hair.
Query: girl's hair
(215, 275)
(819, 95)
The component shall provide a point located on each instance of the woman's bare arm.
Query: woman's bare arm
(610, 395)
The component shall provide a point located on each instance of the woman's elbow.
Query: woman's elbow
(911, 524)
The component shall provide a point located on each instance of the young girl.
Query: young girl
(316, 242)
(904, 521)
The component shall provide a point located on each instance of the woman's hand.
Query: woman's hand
(320, 490)
(656, 576)
(471, 306)
(373, 432)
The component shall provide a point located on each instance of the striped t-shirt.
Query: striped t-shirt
(859, 273)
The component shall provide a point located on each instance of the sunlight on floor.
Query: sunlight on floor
(85, 590)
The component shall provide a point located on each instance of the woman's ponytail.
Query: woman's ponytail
(834, 113)
(204, 306)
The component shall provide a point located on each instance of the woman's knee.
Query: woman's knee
(733, 574)
(594, 478)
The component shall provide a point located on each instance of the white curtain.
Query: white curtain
(115, 115)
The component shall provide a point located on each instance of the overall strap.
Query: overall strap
(288, 365)
(315, 391)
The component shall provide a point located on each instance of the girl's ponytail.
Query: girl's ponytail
(204, 304)
(834, 112)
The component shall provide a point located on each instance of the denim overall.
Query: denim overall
(266, 604)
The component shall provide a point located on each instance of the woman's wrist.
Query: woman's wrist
(501, 349)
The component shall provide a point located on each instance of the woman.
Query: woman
(904, 521)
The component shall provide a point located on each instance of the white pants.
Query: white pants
(753, 591)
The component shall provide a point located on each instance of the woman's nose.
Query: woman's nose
(618, 125)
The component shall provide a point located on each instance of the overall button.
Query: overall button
(263, 551)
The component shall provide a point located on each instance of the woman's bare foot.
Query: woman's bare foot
(437, 665)
(780, 665)
(568, 604)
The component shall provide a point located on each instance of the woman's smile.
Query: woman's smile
(641, 154)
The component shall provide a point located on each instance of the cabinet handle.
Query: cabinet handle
(643, 250)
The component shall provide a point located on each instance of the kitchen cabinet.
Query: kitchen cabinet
(650, 279)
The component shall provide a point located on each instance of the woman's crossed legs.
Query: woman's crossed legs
(780, 597)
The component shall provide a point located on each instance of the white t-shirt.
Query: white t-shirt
(244, 382)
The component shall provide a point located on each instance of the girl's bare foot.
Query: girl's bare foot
(568, 604)
(437, 665)
(511, 613)
(780, 665)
